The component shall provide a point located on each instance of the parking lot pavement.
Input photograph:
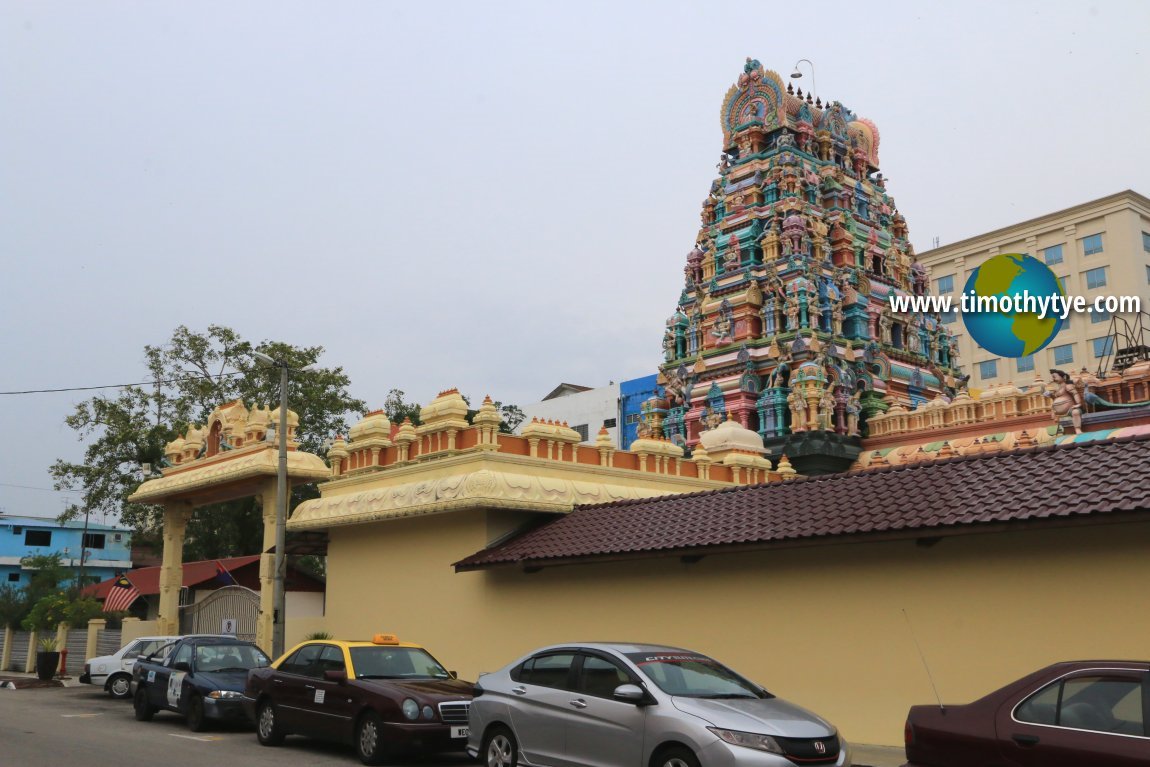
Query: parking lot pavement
(84, 726)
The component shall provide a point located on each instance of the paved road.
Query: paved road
(83, 726)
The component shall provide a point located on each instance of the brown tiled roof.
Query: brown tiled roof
(962, 494)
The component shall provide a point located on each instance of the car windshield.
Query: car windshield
(229, 657)
(390, 662)
(694, 676)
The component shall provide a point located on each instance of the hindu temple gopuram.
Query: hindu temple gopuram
(783, 323)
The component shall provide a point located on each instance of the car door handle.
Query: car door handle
(578, 703)
(309, 686)
(278, 681)
(519, 690)
(1025, 740)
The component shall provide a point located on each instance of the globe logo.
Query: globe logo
(1011, 333)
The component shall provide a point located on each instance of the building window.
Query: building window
(94, 541)
(1063, 355)
(1146, 242)
(946, 284)
(1065, 324)
(582, 429)
(38, 538)
(1096, 278)
(1148, 274)
(1092, 245)
(1025, 364)
(1099, 315)
(1052, 255)
(13, 577)
(988, 369)
(1103, 346)
(949, 316)
(633, 418)
(609, 423)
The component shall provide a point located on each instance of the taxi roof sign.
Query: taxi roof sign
(385, 639)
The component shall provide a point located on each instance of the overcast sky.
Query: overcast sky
(493, 196)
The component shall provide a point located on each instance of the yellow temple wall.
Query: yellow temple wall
(822, 626)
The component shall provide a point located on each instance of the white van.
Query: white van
(114, 672)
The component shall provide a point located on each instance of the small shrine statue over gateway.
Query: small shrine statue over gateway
(783, 323)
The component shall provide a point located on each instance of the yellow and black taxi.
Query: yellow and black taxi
(385, 697)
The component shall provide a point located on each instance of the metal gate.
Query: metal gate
(77, 644)
(230, 603)
(108, 642)
(19, 650)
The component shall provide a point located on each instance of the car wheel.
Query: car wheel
(196, 714)
(144, 710)
(268, 732)
(500, 748)
(120, 686)
(369, 739)
(677, 757)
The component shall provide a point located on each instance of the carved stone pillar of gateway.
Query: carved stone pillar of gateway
(227, 459)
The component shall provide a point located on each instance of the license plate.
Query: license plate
(459, 732)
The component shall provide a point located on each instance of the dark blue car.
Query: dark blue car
(201, 678)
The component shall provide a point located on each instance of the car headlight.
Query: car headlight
(428, 712)
(225, 694)
(410, 709)
(748, 739)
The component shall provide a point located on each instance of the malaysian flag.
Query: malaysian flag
(121, 596)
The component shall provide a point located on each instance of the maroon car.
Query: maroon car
(1076, 714)
(384, 697)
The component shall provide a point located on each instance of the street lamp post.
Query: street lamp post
(797, 74)
(278, 598)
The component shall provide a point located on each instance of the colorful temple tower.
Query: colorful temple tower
(784, 324)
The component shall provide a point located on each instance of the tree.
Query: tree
(195, 372)
(397, 408)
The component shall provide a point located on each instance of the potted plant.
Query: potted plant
(47, 658)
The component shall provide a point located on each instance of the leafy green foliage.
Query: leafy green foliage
(397, 408)
(195, 372)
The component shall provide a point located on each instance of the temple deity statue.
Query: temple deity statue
(954, 352)
(711, 418)
(837, 317)
(1066, 399)
(798, 407)
(913, 341)
(734, 255)
(854, 410)
(826, 411)
(792, 311)
(885, 322)
(721, 328)
(669, 345)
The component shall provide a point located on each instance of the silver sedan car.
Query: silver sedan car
(639, 705)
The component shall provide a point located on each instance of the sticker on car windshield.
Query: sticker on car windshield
(641, 659)
(175, 684)
(319, 695)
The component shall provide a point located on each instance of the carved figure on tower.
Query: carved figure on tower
(826, 411)
(798, 407)
(1067, 401)
(854, 410)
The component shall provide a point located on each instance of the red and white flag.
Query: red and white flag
(121, 596)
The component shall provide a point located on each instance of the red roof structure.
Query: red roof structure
(244, 570)
(1059, 484)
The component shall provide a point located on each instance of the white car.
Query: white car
(114, 672)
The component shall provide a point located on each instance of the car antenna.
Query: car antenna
(921, 655)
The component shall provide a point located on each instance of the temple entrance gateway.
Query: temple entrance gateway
(226, 460)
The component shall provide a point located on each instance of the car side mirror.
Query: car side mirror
(182, 665)
(453, 674)
(335, 676)
(630, 693)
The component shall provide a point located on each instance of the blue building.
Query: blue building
(632, 395)
(106, 550)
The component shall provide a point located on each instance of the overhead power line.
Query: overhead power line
(121, 386)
